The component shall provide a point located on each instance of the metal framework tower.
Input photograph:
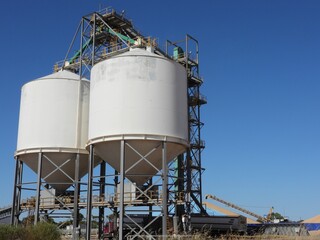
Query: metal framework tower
(189, 164)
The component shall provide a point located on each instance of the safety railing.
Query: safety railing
(106, 11)
(108, 199)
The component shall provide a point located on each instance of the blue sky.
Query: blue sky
(260, 63)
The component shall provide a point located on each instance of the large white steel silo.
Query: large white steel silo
(54, 121)
(139, 97)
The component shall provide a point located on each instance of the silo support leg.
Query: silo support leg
(14, 200)
(37, 210)
(76, 198)
(164, 190)
(19, 187)
(102, 193)
(89, 194)
(122, 173)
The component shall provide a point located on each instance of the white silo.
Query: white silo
(139, 97)
(54, 121)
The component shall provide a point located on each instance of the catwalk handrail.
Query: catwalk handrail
(130, 198)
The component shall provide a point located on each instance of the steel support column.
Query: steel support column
(122, 173)
(164, 190)
(93, 39)
(76, 199)
(89, 192)
(150, 206)
(188, 155)
(102, 196)
(18, 198)
(14, 200)
(37, 210)
(180, 185)
(115, 209)
(189, 181)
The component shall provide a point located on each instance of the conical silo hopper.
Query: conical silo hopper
(139, 97)
(54, 121)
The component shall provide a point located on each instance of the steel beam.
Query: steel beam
(179, 209)
(14, 199)
(102, 196)
(122, 175)
(37, 210)
(19, 187)
(81, 44)
(89, 194)
(93, 38)
(164, 190)
(76, 198)
(115, 209)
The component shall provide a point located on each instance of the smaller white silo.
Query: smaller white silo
(54, 120)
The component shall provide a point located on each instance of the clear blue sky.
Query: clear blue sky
(260, 62)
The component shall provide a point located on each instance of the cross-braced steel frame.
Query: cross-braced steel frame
(57, 207)
(123, 206)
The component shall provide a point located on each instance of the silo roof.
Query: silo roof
(62, 75)
(139, 52)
